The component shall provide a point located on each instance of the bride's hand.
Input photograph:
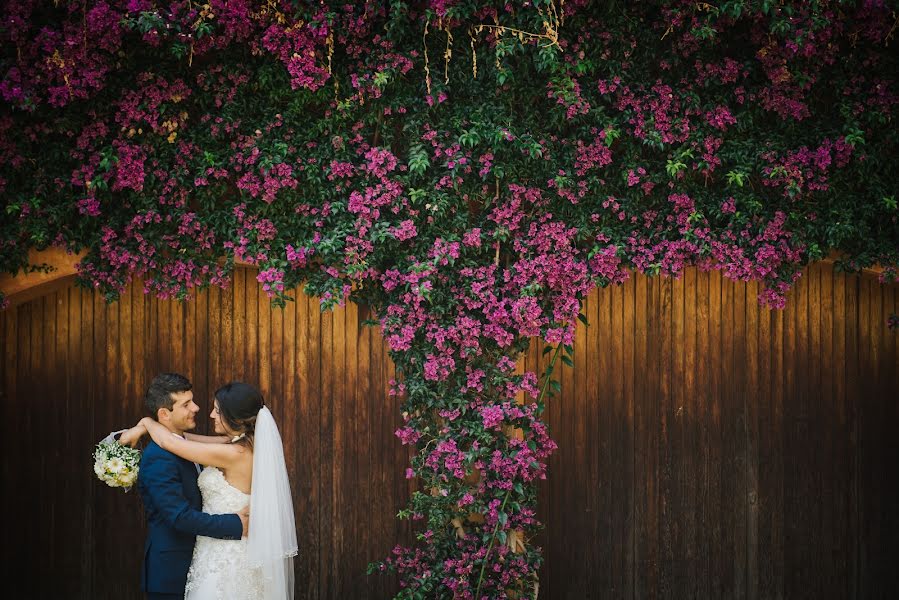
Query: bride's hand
(244, 515)
(132, 436)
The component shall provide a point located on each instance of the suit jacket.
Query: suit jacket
(172, 505)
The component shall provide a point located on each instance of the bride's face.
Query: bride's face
(218, 424)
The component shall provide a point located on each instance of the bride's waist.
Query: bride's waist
(202, 540)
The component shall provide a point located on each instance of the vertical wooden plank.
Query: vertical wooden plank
(340, 534)
(879, 499)
(371, 461)
(717, 445)
(765, 437)
(42, 415)
(238, 351)
(708, 297)
(327, 528)
(86, 379)
(890, 370)
(750, 391)
(778, 556)
(309, 448)
(797, 480)
(843, 468)
(600, 413)
(251, 327)
(8, 367)
(99, 367)
(688, 419)
(126, 414)
(646, 583)
(737, 476)
(854, 415)
(821, 436)
(263, 327)
(216, 320)
(186, 313)
(382, 408)
(287, 366)
(571, 452)
(889, 377)
(181, 344)
(626, 299)
(360, 424)
(140, 356)
(69, 313)
(662, 345)
(577, 395)
(198, 336)
(718, 564)
(867, 548)
(19, 471)
(681, 580)
(835, 468)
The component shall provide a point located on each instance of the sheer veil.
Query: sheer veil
(273, 535)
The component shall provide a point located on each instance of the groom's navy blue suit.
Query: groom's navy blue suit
(172, 504)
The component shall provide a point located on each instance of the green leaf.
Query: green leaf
(418, 160)
(469, 138)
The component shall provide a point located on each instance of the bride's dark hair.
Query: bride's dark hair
(239, 403)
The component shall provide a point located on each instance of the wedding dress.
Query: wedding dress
(258, 567)
(221, 569)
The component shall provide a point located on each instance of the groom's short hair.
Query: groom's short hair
(159, 394)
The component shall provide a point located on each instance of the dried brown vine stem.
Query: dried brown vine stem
(424, 42)
(447, 54)
(330, 42)
(474, 55)
(551, 34)
(889, 35)
(551, 24)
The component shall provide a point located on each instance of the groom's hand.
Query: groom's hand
(244, 515)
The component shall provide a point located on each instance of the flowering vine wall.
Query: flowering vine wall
(470, 170)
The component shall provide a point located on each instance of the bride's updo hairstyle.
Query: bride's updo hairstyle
(239, 403)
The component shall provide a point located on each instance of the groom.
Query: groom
(172, 501)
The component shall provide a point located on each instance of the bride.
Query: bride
(243, 464)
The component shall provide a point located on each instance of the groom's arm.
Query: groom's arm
(164, 486)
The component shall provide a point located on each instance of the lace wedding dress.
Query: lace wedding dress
(220, 569)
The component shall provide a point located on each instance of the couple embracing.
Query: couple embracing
(226, 531)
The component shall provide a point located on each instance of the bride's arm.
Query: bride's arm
(216, 455)
(207, 439)
(131, 437)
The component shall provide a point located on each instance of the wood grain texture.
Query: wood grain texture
(708, 447)
(755, 466)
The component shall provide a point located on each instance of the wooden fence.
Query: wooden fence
(708, 448)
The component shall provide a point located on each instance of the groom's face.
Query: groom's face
(182, 417)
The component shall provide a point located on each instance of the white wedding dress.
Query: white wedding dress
(221, 569)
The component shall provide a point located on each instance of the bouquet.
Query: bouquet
(116, 465)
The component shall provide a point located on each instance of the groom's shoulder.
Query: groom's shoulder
(154, 452)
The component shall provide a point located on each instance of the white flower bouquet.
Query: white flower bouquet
(116, 465)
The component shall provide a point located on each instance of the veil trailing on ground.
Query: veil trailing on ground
(273, 535)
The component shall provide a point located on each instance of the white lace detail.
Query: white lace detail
(220, 569)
